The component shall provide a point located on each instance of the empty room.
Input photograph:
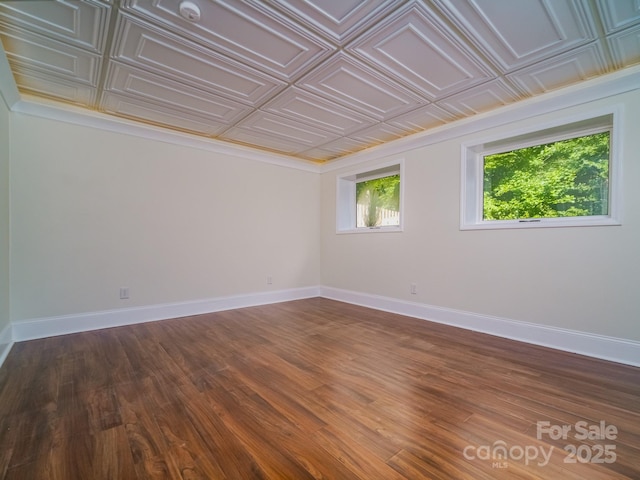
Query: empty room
(319, 239)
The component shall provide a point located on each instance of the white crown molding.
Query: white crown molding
(616, 83)
(8, 89)
(82, 322)
(77, 116)
(599, 346)
(6, 342)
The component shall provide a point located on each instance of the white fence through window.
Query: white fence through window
(386, 217)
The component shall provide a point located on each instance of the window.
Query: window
(559, 176)
(370, 200)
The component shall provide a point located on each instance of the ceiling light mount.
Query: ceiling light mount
(190, 11)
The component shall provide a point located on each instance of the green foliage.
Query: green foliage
(371, 198)
(561, 179)
(376, 194)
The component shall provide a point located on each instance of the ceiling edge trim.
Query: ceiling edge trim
(618, 82)
(8, 89)
(101, 121)
(14, 102)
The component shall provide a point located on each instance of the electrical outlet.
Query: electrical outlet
(413, 288)
(124, 293)
(269, 280)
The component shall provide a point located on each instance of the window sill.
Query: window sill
(542, 223)
(370, 230)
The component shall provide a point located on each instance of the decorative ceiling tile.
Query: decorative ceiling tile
(423, 118)
(516, 33)
(138, 109)
(132, 82)
(414, 46)
(480, 99)
(582, 64)
(249, 31)
(619, 14)
(278, 128)
(319, 155)
(335, 149)
(144, 46)
(347, 81)
(306, 107)
(312, 79)
(82, 24)
(338, 20)
(377, 134)
(625, 47)
(39, 53)
(38, 83)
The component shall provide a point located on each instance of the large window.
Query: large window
(370, 200)
(560, 176)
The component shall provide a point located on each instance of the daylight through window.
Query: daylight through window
(370, 200)
(568, 178)
(378, 202)
(559, 176)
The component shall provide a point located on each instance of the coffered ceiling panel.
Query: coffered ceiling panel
(47, 85)
(138, 109)
(339, 20)
(377, 134)
(423, 118)
(37, 52)
(311, 79)
(136, 83)
(335, 149)
(247, 30)
(584, 63)
(625, 47)
(166, 54)
(346, 81)
(480, 99)
(306, 107)
(289, 131)
(619, 14)
(443, 65)
(83, 24)
(518, 32)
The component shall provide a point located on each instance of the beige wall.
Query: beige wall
(95, 211)
(583, 279)
(4, 217)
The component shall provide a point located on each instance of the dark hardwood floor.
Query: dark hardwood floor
(307, 390)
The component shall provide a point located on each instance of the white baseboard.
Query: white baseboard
(6, 342)
(599, 346)
(62, 325)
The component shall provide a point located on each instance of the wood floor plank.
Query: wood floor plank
(291, 403)
(363, 463)
(200, 445)
(310, 389)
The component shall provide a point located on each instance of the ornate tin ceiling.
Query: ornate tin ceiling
(313, 79)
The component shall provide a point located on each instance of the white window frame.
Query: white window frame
(346, 196)
(472, 170)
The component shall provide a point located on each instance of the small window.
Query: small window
(561, 176)
(371, 200)
(378, 202)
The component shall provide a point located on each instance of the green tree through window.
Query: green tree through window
(376, 196)
(567, 178)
